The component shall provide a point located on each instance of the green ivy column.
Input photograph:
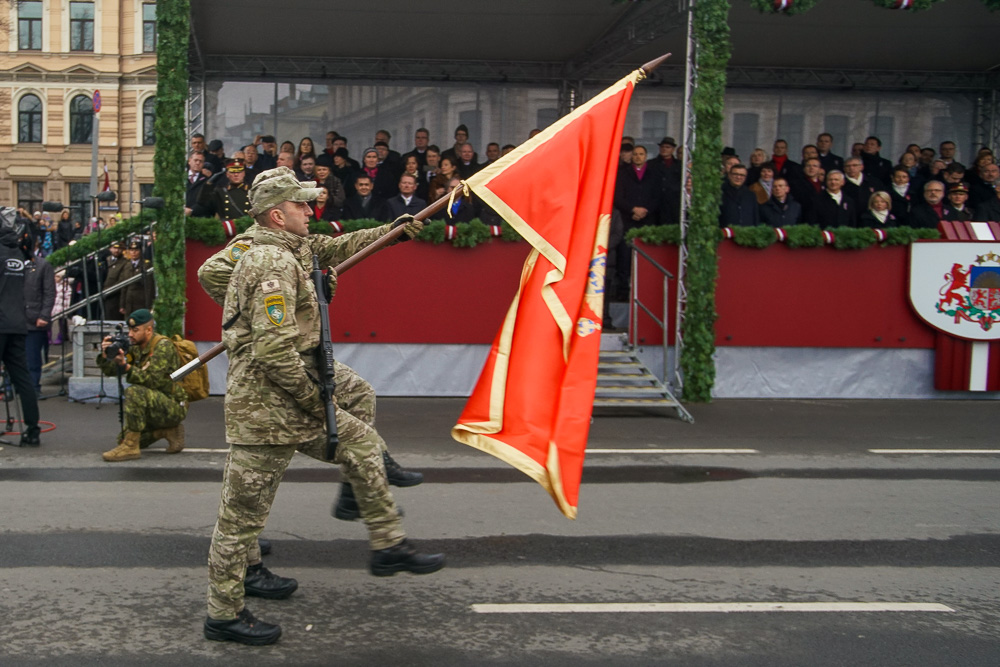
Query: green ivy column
(711, 31)
(173, 21)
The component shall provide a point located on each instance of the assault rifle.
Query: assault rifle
(324, 358)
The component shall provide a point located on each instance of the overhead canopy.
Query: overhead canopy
(838, 44)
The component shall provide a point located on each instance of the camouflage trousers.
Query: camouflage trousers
(250, 481)
(147, 410)
(355, 396)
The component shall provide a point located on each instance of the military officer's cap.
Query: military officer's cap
(279, 185)
(139, 317)
(235, 164)
(117, 244)
(959, 187)
(134, 244)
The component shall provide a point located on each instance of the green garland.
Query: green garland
(173, 27)
(711, 32)
(796, 236)
(210, 232)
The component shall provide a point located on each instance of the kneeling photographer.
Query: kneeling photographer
(154, 406)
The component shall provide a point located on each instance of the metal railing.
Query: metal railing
(637, 305)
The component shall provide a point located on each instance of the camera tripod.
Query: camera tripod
(11, 416)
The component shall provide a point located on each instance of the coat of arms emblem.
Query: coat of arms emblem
(955, 287)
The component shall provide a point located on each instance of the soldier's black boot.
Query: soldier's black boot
(244, 629)
(346, 507)
(30, 438)
(397, 476)
(260, 582)
(265, 546)
(404, 558)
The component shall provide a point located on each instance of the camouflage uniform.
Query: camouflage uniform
(353, 393)
(273, 406)
(153, 401)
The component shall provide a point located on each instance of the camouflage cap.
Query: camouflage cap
(279, 185)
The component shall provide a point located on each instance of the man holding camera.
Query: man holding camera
(154, 405)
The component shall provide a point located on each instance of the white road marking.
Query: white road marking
(704, 607)
(934, 451)
(672, 451)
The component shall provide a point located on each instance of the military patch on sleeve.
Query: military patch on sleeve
(236, 251)
(275, 307)
(269, 286)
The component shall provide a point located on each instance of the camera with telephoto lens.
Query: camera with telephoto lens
(119, 343)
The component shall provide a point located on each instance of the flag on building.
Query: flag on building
(107, 179)
(532, 404)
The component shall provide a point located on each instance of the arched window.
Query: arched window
(81, 120)
(29, 120)
(149, 122)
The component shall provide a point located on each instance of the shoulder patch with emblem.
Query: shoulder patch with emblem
(236, 251)
(269, 286)
(275, 308)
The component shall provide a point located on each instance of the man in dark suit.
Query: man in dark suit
(784, 167)
(670, 171)
(829, 161)
(406, 202)
(876, 166)
(932, 209)
(637, 191)
(859, 185)
(196, 178)
(363, 204)
(391, 156)
(467, 164)
(739, 204)
(421, 140)
(989, 211)
(834, 208)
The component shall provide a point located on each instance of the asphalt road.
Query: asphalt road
(864, 558)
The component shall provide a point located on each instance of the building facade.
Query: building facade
(54, 55)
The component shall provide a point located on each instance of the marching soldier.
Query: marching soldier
(229, 200)
(353, 393)
(273, 409)
(154, 405)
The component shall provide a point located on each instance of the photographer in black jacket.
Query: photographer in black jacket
(15, 243)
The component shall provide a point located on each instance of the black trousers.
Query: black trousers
(14, 358)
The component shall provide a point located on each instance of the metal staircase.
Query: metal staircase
(624, 381)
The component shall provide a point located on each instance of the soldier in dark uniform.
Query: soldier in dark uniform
(111, 265)
(230, 199)
(137, 295)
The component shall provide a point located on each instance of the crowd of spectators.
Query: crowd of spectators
(923, 187)
(382, 185)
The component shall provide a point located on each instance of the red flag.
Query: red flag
(532, 404)
(107, 179)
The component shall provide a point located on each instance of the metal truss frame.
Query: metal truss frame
(689, 142)
(987, 110)
(523, 72)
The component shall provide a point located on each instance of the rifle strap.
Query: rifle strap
(231, 321)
